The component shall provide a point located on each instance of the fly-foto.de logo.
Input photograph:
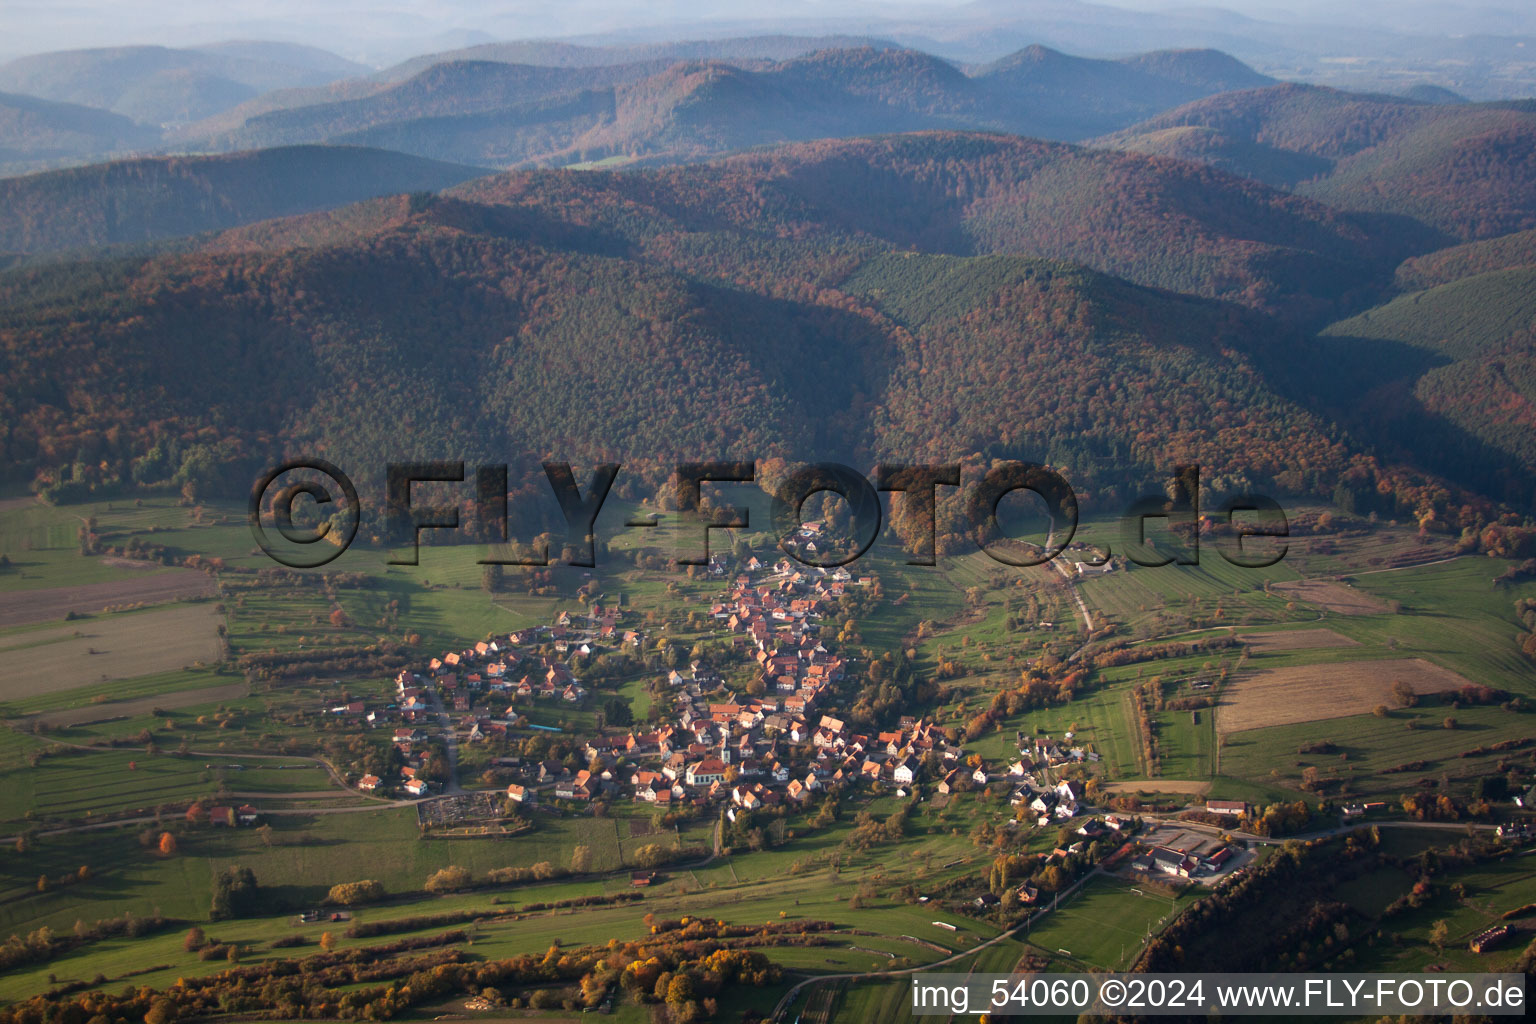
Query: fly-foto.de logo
(333, 513)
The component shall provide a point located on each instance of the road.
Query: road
(450, 743)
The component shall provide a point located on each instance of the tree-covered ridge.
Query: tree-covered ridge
(1157, 222)
(1450, 373)
(1468, 260)
(1468, 170)
(36, 132)
(756, 307)
(140, 200)
(1017, 355)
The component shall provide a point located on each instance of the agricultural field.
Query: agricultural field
(145, 584)
(1378, 757)
(110, 647)
(1262, 697)
(1331, 596)
(1276, 641)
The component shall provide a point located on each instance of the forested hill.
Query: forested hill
(1449, 373)
(151, 198)
(1466, 169)
(1163, 223)
(35, 132)
(743, 309)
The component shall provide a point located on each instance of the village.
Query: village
(713, 746)
(716, 751)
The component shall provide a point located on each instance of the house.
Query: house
(517, 794)
(985, 900)
(705, 772)
(642, 878)
(1237, 808)
(578, 788)
(903, 774)
(245, 814)
(947, 783)
(416, 787)
(368, 783)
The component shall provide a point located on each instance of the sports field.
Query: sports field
(1103, 925)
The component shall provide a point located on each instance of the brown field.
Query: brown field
(1310, 693)
(111, 710)
(22, 607)
(1295, 640)
(1331, 596)
(111, 647)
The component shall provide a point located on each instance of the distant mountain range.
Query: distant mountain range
(661, 110)
(156, 85)
(552, 104)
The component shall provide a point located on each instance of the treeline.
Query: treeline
(385, 658)
(42, 944)
(394, 926)
(1130, 655)
(685, 971)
